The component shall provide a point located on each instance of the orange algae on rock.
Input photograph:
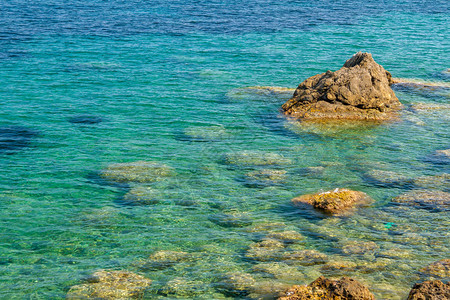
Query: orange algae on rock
(334, 202)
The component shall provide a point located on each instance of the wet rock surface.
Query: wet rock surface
(360, 90)
(325, 289)
(108, 284)
(334, 202)
(430, 290)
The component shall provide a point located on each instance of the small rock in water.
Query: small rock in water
(164, 259)
(430, 290)
(256, 158)
(439, 269)
(138, 171)
(85, 119)
(334, 202)
(14, 138)
(108, 284)
(428, 199)
(325, 289)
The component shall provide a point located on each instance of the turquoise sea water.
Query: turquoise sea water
(151, 77)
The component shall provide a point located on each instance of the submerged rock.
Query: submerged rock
(108, 284)
(287, 237)
(85, 119)
(266, 250)
(439, 268)
(268, 290)
(305, 257)
(387, 177)
(205, 133)
(183, 288)
(428, 199)
(325, 289)
(231, 219)
(164, 259)
(441, 181)
(360, 90)
(430, 290)
(142, 195)
(265, 176)
(13, 138)
(338, 265)
(138, 171)
(236, 284)
(276, 92)
(420, 84)
(359, 247)
(278, 270)
(256, 158)
(334, 202)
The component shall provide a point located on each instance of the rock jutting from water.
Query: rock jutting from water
(325, 289)
(360, 90)
(108, 284)
(333, 202)
(432, 290)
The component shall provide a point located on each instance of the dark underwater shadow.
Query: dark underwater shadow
(15, 138)
(85, 119)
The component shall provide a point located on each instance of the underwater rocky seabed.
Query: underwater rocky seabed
(226, 213)
(79, 105)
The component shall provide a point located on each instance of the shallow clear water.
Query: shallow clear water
(153, 73)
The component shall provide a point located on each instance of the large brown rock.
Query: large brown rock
(325, 289)
(430, 290)
(338, 201)
(360, 90)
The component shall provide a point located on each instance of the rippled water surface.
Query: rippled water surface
(87, 84)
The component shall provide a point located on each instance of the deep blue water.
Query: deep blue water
(87, 84)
